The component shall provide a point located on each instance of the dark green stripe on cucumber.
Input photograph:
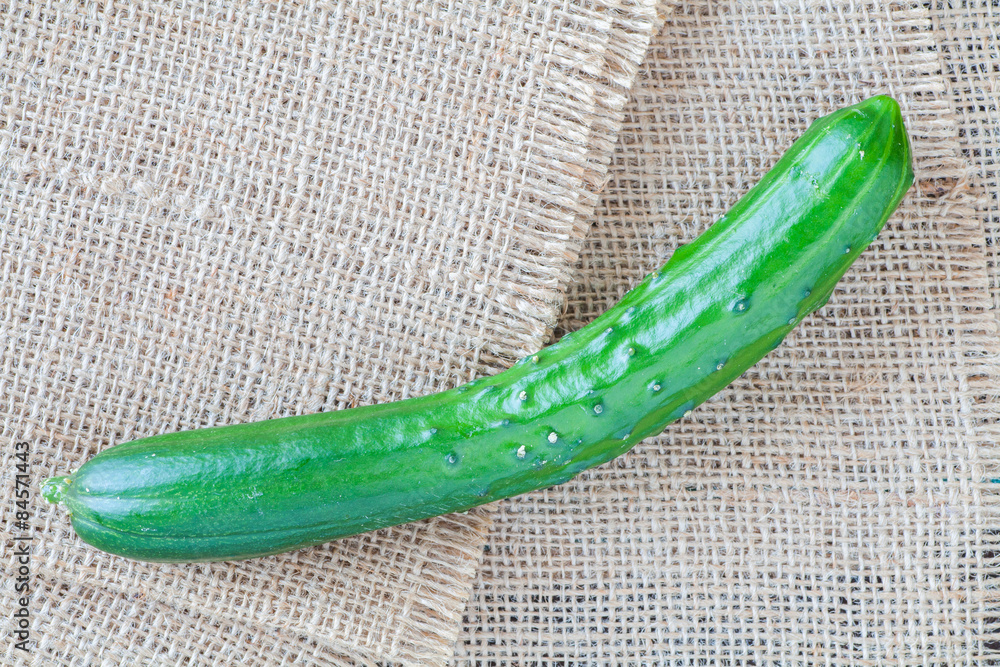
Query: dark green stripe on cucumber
(717, 307)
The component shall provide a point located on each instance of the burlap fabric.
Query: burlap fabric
(969, 37)
(222, 212)
(834, 505)
(217, 214)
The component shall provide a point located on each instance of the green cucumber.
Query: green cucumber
(716, 308)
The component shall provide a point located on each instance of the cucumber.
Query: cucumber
(685, 332)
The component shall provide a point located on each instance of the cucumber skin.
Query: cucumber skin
(718, 306)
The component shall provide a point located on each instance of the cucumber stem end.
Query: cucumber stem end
(54, 489)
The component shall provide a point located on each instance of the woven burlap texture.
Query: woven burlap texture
(833, 506)
(224, 212)
(968, 33)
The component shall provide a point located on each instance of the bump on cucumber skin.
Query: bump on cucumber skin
(684, 333)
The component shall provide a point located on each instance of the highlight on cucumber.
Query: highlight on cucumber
(719, 305)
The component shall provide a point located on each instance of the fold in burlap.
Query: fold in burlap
(222, 213)
(834, 504)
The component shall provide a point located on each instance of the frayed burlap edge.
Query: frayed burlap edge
(949, 181)
(586, 80)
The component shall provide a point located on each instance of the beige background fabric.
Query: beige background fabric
(833, 506)
(223, 212)
(968, 34)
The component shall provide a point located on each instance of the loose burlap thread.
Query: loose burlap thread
(218, 213)
(834, 505)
